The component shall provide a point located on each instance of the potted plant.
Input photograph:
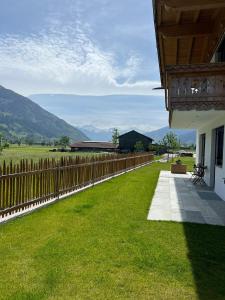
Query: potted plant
(178, 167)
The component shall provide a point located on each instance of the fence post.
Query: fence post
(57, 180)
(92, 173)
(35, 188)
(112, 167)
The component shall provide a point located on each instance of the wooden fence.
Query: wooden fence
(27, 184)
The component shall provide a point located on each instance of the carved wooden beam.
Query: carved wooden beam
(186, 30)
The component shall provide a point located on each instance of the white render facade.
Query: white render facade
(214, 173)
(196, 100)
(192, 72)
(206, 124)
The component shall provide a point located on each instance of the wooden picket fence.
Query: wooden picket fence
(28, 183)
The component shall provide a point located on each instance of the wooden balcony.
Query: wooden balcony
(195, 87)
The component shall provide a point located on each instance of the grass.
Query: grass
(157, 157)
(99, 245)
(16, 153)
(189, 161)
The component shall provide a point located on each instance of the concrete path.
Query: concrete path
(177, 199)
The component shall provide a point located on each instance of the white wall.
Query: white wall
(208, 152)
(220, 182)
(209, 157)
(197, 146)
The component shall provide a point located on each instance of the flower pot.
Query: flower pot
(178, 169)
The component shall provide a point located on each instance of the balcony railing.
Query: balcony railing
(199, 87)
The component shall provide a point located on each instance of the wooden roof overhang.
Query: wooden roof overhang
(187, 31)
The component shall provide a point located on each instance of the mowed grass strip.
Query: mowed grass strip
(99, 245)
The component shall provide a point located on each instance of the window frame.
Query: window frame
(202, 148)
(219, 157)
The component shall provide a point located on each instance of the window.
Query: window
(219, 145)
(202, 149)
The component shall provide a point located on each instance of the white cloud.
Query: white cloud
(66, 60)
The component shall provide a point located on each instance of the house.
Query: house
(191, 51)
(127, 141)
(93, 146)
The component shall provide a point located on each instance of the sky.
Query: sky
(80, 47)
(124, 112)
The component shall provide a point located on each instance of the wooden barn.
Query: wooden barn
(129, 140)
(91, 146)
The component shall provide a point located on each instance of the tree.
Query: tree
(1, 143)
(19, 141)
(64, 141)
(115, 136)
(6, 145)
(158, 149)
(171, 141)
(139, 147)
(29, 140)
(192, 147)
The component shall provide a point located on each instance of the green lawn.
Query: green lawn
(99, 245)
(157, 157)
(189, 161)
(16, 153)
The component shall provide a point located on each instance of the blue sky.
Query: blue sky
(82, 47)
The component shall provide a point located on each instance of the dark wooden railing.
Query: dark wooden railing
(200, 87)
(27, 184)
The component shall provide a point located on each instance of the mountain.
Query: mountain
(90, 113)
(120, 111)
(97, 134)
(186, 136)
(21, 117)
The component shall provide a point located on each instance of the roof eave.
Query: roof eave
(157, 41)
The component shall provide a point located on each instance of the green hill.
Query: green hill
(21, 117)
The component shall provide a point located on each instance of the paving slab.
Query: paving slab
(177, 199)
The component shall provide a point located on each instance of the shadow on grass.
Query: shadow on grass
(206, 246)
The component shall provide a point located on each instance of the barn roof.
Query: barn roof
(134, 131)
(93, 144)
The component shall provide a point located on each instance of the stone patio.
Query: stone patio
(177, 199)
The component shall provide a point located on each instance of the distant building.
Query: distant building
(127, 141)
(93, 146)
